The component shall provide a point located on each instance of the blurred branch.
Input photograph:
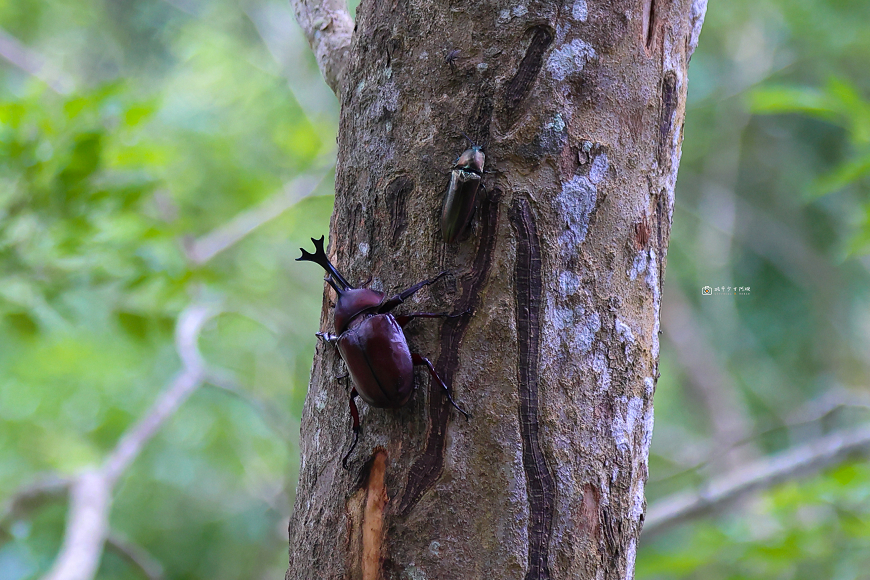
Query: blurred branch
(135, 555)
(707, 378)
(86, 528)
(328, 27)
(52, 487)
(32, 63)
(813, 412)
(91, 497)
(190, 323)
(760, 475)
(31, 497)
(203, 249)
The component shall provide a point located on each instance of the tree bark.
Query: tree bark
(580, 107)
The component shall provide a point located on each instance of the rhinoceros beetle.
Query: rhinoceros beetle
(461, 197)
(372, 343)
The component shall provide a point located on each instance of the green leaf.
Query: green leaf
(807, 101)
(859, 244)
(844, 175)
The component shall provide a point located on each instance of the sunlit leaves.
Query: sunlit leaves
(182, 120)
(802, 530)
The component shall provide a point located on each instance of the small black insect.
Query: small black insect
(451, 58)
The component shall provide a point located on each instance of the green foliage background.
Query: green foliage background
(168, 118)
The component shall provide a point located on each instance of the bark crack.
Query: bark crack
(649, 24)
(520, 85)
(427, 469)
(397, 193)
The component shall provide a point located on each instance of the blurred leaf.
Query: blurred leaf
(778, 100)
(860, 242)
(846, 174)
(842, 104)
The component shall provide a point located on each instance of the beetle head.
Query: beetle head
(351, 301)
(472, 159)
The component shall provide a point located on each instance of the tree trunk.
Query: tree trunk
(580, 108)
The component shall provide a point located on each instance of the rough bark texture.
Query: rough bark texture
(580, 106)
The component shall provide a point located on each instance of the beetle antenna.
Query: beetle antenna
(470, 140)
(319, 258)
(331, 282)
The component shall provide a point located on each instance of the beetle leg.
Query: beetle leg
(391, 303)
(404, 319)
(422, 360)
(327, 337)
(354, 413)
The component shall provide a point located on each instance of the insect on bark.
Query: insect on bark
(372, 343)
(461, 197)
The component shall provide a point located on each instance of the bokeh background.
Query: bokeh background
(134, 132)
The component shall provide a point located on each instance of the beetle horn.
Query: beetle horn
(319, 258)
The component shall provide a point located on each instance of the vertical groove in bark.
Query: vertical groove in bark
(521, 84)
(397, 193)
(668, 107)
(426, 470)
(662, 234)
(649, 24)
(539, 482)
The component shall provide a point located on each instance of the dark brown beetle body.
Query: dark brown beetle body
(461, 197)
(376, 353)
(372, 343)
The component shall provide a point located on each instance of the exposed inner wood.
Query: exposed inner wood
(373, 517)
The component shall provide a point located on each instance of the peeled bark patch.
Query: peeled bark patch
(373, 517)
